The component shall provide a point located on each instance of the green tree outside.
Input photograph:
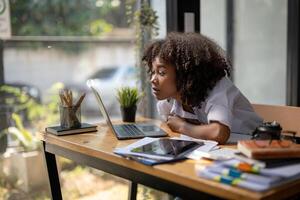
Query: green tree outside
(66, 18)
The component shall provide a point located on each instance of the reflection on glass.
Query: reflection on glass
(260, 50)
(65, 42)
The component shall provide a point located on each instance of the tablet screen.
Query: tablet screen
(167, 147)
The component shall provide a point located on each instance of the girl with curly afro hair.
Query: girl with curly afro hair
(189, 77)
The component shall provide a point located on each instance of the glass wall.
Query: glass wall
(70, 46)
(260, 45)
(213, 20)
(160, 7)
(260, 50)
(56, 43)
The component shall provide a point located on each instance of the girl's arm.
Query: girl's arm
(213, 131)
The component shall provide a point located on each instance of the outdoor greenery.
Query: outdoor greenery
(71, 18)
(66, 18)
(128, 96)
(25, 107)
(23, 135)
(144, 19)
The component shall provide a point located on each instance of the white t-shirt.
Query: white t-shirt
(225, 104)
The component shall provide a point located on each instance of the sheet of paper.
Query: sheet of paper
(218, 154)
(223, 153)
(201, 151)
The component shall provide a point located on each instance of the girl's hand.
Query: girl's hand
(212, 131)
(175, 123)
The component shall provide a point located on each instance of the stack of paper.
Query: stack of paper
(249, 175)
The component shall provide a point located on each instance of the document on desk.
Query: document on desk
(209, 150)
(232, 180)
(250, 176)
(286, 170)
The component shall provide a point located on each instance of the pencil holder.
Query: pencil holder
(70, 117)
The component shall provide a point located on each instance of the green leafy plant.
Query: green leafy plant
(24, 136)
(128, 96)
(63, 18)
(144, 18)
(39, 115)
(145, 21)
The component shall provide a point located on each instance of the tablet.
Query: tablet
(168, 147)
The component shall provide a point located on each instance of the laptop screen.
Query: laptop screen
(101, 105)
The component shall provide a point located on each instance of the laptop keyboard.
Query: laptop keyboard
(128, 130)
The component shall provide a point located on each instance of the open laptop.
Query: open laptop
(127, 131)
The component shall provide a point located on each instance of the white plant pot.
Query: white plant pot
(28, 169)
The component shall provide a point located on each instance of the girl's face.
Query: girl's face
(163, 80)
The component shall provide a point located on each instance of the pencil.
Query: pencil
(79, 101)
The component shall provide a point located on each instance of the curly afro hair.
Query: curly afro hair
(199, 63)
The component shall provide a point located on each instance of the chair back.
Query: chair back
(287, 116)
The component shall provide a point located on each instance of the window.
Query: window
(68, 42)
(260, 50)
(259, 45)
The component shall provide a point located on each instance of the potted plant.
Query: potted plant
(128, 98)
(25, 163)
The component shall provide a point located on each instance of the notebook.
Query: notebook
(58, 130)
(127, 131)
(269, 149)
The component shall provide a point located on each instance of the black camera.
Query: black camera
(273, 131)
(268, 131)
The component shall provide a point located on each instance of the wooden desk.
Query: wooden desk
(96, 150)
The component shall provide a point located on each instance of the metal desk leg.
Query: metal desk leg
(52, 174)
(132, 190)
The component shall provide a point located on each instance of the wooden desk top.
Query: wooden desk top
(102, 143)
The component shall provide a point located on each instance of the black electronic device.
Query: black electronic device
(128, 130)
(273, 131)
(268, 131)
(172, 148)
